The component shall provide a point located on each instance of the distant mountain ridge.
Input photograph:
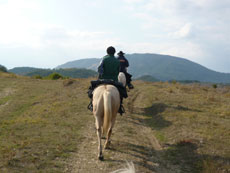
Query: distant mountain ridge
(70, 72)
(90, 63)
(162, 67)
(24, 70)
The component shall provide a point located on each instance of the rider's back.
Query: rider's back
(110, 68)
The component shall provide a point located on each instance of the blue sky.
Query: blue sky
(42, 33)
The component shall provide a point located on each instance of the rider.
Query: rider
(109, 69)
(124, 64)
(109, 66)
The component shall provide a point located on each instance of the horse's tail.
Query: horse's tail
(122, 78)
(107, 112)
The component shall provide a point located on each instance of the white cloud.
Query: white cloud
(183, 32)
(15, 24)
(133, 1)
(74, 39)
(187, 49)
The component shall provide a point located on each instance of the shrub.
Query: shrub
(174, 81)
(3, 69)
(37, 77)
(55, 76)
(214, 86)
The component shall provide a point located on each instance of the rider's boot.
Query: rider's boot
(90, 106)
(130, 86)
(121, 108)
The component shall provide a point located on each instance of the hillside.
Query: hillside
(91, 63)
(162, 67)
(69, 72)
(148, 78)
(167, 127)
(23, 70)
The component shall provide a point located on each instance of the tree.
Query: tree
(2, 68)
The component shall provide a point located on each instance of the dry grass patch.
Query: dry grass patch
(194, 113)
(41, 126)
(42, 121)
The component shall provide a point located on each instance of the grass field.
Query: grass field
(41, 123)
(192, 123)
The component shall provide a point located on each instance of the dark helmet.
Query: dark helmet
(111, 50)
(120, 53)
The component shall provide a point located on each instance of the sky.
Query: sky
(48, 33)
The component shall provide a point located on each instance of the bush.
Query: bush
(3, 69)
(55, 76)
(174, 81)
(37, 77)
(214, 86)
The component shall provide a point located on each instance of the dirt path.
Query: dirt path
(6, 92)
(131, 141)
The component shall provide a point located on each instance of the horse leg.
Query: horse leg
(108, 141)
(98, 127)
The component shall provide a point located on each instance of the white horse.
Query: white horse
(106, 103)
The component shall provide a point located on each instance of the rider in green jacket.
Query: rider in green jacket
(109, 66)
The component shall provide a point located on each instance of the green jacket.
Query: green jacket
(109, 68)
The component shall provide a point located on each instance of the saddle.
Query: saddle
(118, 85)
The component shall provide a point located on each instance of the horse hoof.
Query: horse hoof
(101, 158)
(107, 147)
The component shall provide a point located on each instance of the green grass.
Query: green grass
(4, 100)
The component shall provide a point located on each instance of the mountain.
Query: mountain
(90, 63)
(23, 70)
(162, 67)
(69, 72)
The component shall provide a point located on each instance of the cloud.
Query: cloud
(15, 23)
(183, 32)
(188, 28)
(132, 1)
(75, 39)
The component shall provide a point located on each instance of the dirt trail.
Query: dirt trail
(131, 141)
(6, 92)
